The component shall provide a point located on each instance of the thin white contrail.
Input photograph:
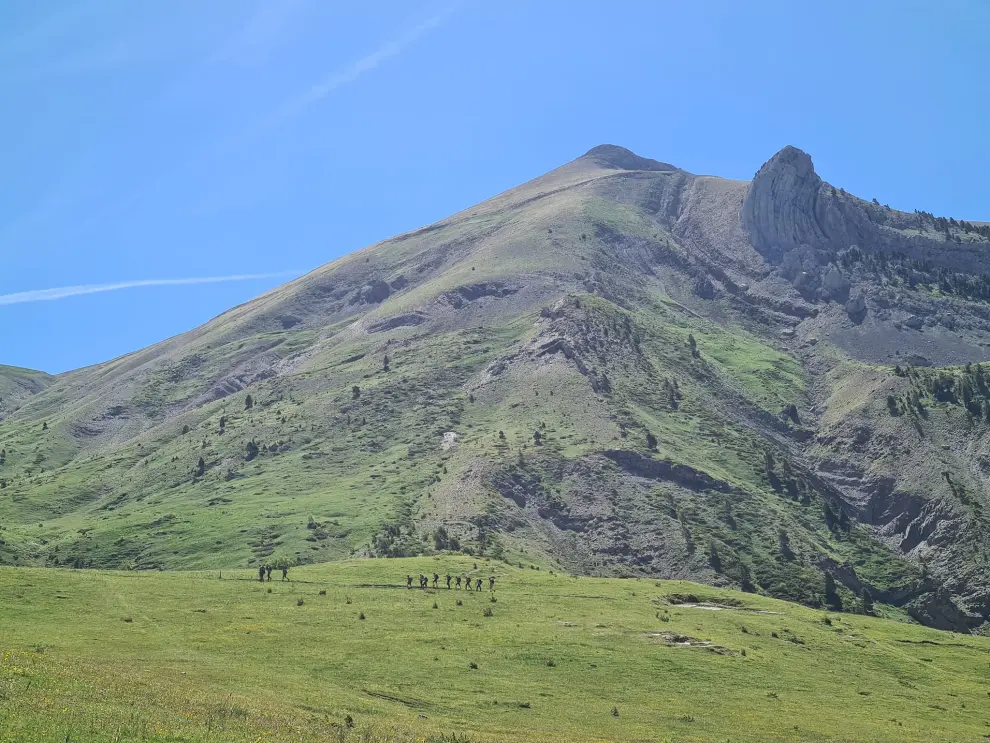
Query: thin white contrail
(358, 68)
(61, 292)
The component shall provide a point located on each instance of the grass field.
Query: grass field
(345, 652)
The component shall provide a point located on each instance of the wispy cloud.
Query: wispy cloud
(358, 68)
(62, 292)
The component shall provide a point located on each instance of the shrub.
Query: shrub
(473, 666)
(361, 616)
(615, 711)
(435, 606)
(299, 602)
(460, 603)
(488, 612)
(551, 663)
(323, 592)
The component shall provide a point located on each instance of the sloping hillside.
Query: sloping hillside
(18, 384)
(619, 367)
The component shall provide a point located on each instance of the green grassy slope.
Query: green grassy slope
(101, 656)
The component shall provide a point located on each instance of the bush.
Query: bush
(361, 616)
(488, 612)
(299, 602)
(473, 666)
(615, 711)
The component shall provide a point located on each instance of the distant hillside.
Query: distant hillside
(17, 384)
(619, 367)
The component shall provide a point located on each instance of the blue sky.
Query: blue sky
(183, 139)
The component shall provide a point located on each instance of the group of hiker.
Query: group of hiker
(265, 571)
(424, 582)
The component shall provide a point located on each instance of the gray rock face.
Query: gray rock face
(914, 322)
(780, 206)
(788, 207)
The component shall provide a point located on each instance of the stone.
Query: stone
(856, 308)
(836, 284)
(914, 322)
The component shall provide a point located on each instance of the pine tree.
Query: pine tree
(867, 601)
(832, 597)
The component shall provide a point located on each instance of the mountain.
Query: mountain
(618, 368)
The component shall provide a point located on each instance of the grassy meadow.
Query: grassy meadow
(345, 652)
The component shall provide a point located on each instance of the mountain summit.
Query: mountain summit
(618, 368)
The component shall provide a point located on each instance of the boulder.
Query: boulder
(836, 284)
(914, 322)
(856, 308)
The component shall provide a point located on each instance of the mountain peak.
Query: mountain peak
(792, 159)
(781, 205)
(619, 158)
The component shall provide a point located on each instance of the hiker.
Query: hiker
(261, 573)
(423, 581)
(477, 585)
(457, 582)
(285, 572)
(269, 571)
(435, 579)
(467, 583)
(491, 584)
(408, 581)
(448, 581)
